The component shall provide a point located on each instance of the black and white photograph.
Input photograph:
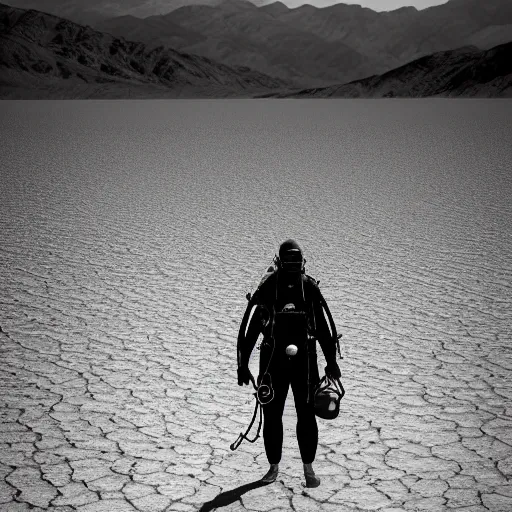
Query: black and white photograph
(256, 255)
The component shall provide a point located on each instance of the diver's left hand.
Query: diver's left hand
(332, 370)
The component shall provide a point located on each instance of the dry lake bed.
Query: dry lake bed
(131, 232)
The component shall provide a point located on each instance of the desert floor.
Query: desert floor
(130, 233)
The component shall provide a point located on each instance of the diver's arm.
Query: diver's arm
(326, 332)
(324, 335)
(248, 334)
(241, 346)
(251, 327)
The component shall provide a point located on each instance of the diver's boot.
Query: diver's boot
(271, 475)
(311, 479)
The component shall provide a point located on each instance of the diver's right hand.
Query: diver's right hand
(244, 375)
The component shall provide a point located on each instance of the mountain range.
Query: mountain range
(233, 47)
(464, 72)
(42, 55)
(306, 45)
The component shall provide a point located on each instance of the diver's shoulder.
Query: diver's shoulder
(311, 279)
(311, 282)
(267, 282)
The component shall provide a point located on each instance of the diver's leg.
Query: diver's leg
(307, 428)
(273, 424)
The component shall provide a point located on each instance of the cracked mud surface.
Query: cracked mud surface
(129, 240)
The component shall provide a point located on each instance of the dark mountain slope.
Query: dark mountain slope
(76, 10)
(92, 11)
(313, 46)
(49, 55)
(465, 72)
(238, 33)
(154, 31)
(402, 35)
(356, 27)
(447, 26)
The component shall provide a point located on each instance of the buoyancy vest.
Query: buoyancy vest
(277, 304)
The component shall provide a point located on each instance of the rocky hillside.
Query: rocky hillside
(314, 46)
(46, 56)
(308, 45)
(237, 32)
(465, 72)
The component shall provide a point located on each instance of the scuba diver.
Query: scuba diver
(288, 310)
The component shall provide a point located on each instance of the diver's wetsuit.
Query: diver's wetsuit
(285, 371)
(280, 370)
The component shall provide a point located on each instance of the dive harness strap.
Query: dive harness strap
(243, 436)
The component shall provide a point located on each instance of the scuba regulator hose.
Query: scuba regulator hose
(261, 394)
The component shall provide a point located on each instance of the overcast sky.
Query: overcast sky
(376, 5)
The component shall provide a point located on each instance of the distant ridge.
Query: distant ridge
(42, 55)
(465, 72)
(275, 8)
(92, 11)
(164, 32)
(45, 56)
(311, 46)
(238, 33)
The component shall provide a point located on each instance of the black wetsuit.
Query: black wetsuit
(276, 367)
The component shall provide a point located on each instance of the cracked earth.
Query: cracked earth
(120, 309)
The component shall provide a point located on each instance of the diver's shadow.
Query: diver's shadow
(227, 497)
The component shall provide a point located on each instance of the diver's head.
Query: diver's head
(290, 257)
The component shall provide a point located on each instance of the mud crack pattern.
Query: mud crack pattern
(129, 239)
